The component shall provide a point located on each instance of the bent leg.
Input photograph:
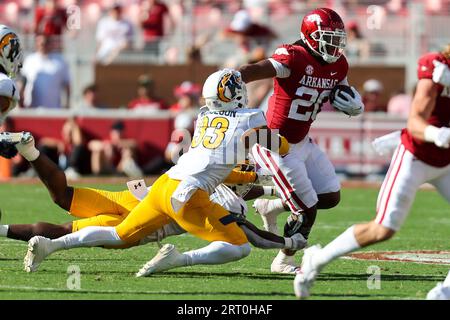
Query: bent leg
(442, 184)
(88, 202)
(54, 180)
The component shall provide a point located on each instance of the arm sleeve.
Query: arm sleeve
(281, 69)
(284, 55)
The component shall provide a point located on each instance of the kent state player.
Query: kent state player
(182, 194)
(423, 155)
(304, 74)
(97, 207)
(11, 59)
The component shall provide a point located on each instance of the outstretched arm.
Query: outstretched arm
(257, 71)
(267, 240)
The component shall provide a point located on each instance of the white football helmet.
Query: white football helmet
(11, 55)
(225, 90)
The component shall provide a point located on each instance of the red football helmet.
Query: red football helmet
(324, 33)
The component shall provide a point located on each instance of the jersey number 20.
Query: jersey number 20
(308, 97)
(213, 137)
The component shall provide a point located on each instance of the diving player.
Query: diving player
(182, 194)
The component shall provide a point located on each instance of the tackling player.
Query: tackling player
(182, 194)
(423, 155)
(98, 207)
(304, 74)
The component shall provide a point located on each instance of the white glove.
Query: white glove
(441, 73)
(442, 139)
(298, 242)
(386, 144)
(350, 106)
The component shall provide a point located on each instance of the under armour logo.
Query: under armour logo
(136, 186)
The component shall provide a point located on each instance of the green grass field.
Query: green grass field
(109, 274)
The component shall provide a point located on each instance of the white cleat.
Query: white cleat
(167, 258)
(440, 292)
(307, 275)
(284, 264)
(38, 250)
(268, 214)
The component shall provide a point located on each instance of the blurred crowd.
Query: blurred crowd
(45, 80)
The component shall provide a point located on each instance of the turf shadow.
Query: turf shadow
(384, 277)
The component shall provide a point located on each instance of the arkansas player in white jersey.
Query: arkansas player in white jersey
(304, 74)
(423, 155)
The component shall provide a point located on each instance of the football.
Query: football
(337, 90)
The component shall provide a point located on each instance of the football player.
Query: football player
(183, 193)
(304, 74)
(97, 207)
(11, 60)
(423, 155)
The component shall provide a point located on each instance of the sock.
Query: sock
(4, 230)
(283, 258)
(276, 206)
(217, 252)
(343, 244)
(88, 237)
(269, 190)
(28, 150)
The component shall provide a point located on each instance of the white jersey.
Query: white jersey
(216, 147)
(8, 89)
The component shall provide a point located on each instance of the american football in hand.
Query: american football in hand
(337, 91)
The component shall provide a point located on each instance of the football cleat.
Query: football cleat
(284, 264)
(307, 275)
(440, 292)
(268, 214)
(38, 250)
(167, 258)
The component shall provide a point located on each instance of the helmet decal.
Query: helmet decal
(314, 18)
(226, 88)
(10, 40)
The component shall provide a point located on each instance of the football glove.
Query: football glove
(8, 150)
(442, 140)
(441, 73)
(350, 106)
(386, 144)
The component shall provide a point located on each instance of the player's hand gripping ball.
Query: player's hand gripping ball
(347, 100)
